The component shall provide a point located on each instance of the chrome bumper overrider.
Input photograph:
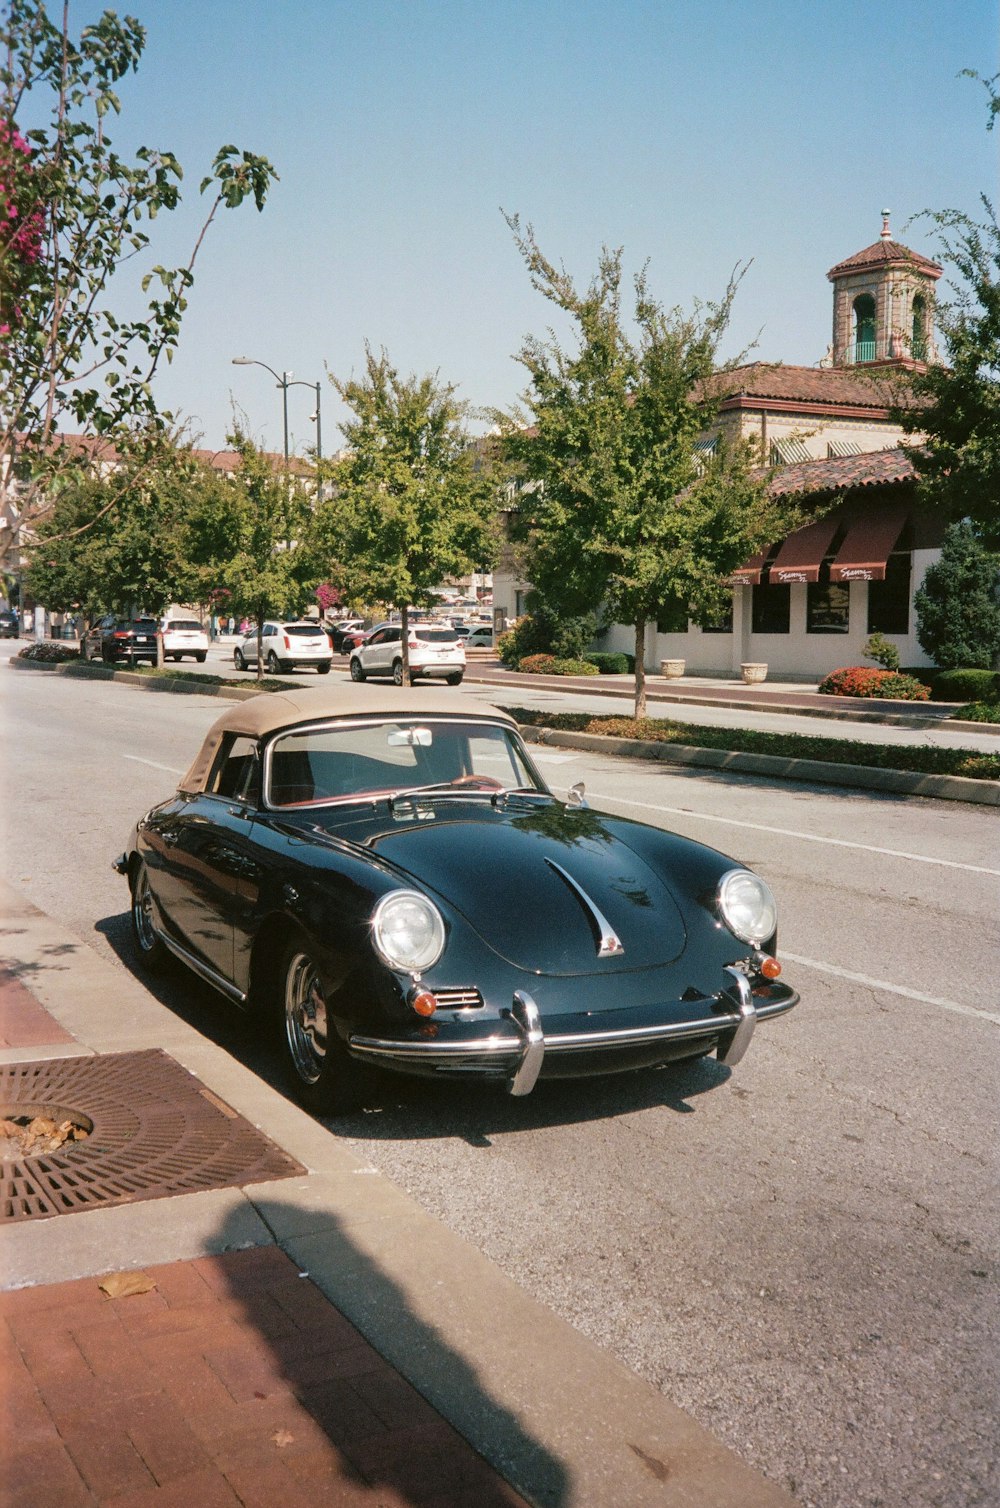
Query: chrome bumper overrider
(521, 1057)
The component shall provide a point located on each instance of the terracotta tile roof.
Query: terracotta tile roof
(885, 253)
(878, 468)
(848, 386)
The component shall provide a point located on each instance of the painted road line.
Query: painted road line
(893, 989)
(790, 832)
(152, 762)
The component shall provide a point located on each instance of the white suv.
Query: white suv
(184, 636)
(286, 646)
(433, 651)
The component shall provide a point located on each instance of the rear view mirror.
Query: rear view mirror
(414, 738)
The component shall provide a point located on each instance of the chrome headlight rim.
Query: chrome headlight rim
(421, 957)
(751, 918)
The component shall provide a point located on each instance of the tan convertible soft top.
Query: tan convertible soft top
(268, 712)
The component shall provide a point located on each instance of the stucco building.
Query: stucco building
(807, 605)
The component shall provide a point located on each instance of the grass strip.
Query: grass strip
(922, 759)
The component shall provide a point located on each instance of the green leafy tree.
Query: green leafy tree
(73, 213)
(413, 496)
(626, 512)
(251, 540)
(958, 411)
(958, 604)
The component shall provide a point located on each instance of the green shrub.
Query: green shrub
(543, 631)
(523, 638)
(51, 651)
(612, 664)
(957, 606)
(858, 680)
(967, 686)
(882, 651)
(552, 665)
(979, 712)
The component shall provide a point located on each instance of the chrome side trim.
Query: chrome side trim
(609, 945)
(524, 1014)
(204, 970)
(743, 1034)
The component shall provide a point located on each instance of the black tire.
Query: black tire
(455, 679)
(273, 663)
(357, 673)
(322, 1075)
(397, 672)
(238, 659)
(150, 950)
(322, 670)
(201, 658)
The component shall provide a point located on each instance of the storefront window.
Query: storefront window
(827, 605)
(889, 600)
(771, 610)
(718, 623)
(672, 617)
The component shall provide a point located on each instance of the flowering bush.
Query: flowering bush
(859, 680)
(21, 222)
(552, 665)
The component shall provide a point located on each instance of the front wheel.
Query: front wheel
(397, 672)
(273, 663)
(239, 660)
(323, 1076)
(357, 674)
(147, 943)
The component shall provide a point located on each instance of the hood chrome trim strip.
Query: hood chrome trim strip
(609, 944)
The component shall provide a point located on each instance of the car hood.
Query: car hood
(540, 883)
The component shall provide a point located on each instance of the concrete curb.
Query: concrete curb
(817, 771)
(565, 1423)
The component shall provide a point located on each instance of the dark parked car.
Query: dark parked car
(120, 640)
(389, 878)
(8, 625)
(341, 627)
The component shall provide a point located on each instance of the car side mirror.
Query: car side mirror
(576, 795)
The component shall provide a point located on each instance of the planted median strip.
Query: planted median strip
(920, 759)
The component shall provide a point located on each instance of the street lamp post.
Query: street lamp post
(285, 381)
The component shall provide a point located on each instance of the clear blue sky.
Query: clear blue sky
(694, 134)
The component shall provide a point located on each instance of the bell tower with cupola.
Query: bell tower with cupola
(883, 306)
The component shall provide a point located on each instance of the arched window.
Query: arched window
(918, 341)
(864, 328)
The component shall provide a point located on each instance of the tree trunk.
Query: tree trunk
(640, 667)
(260, 641)
(404, 636)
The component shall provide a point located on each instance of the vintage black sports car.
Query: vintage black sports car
(387, 876)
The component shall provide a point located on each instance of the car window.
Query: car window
(302, 630)
(377, 637)
(236, 772)
(144, 625)
(188, 625)
(332, 763)
(436, 635)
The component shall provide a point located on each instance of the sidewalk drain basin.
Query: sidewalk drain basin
(155, 1131)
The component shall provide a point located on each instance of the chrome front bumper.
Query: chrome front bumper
(520, 1058)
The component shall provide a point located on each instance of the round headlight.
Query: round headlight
(747, 906)
(408, 931)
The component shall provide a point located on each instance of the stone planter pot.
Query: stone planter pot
(753, 673)
(672, 669)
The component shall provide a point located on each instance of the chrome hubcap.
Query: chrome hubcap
(305, 1018)
(142, 911)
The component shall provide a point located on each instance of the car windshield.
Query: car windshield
(364, 760)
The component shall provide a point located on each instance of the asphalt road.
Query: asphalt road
(802, 1252)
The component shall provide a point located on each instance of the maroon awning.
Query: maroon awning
(801, 555)
(749, 574)
(869, 543)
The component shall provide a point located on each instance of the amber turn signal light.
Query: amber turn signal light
(423, 1002)
(770, 968)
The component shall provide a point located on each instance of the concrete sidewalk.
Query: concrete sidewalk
(317, 1338)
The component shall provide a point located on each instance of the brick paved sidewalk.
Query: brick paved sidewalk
(231, 1381)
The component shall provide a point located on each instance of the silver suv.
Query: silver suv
(286, 646)
(433, 651)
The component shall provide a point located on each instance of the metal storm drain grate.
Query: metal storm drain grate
(154, 1130)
